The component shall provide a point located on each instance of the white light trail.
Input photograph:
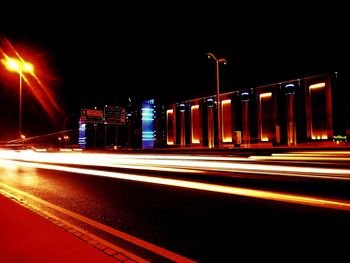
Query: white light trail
(177, 163)
(246, 192)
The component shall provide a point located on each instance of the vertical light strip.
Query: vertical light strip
(82, 135)
(170, 128)
(195, 129)
(147, 118)
(317, 134)
(226, 119)
(264, 137)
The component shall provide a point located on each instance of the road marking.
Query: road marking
(129, 238)
(84, 235)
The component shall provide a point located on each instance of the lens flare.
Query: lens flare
(13, 61)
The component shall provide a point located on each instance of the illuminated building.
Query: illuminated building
(285, 113)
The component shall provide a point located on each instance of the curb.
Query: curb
(117, 253)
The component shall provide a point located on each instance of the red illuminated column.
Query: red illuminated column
(291, 126)
(182, 126)
(245, 122)
(319, 109)
(196, 125)
(210, 126)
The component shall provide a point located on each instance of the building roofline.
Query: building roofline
(256, 87)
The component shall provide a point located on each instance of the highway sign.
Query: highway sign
(91, 116)
(114, 115)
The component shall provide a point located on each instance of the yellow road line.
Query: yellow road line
(134, 240)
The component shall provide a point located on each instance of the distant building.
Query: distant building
(288, 113)
(285, 113)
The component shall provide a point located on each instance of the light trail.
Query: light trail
(326, 153)
(307, 156)
(177, 163)
(210, 187)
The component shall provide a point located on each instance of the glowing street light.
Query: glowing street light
(19, 66)
(218, 61)
(66, 138)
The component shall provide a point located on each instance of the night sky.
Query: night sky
(97, 55)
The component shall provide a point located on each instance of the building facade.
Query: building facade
(286, 113)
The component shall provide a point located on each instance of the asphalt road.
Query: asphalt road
(201, 225)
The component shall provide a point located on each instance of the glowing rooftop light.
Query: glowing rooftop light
(317, 86)
(266, 95)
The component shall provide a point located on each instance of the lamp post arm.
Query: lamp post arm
(217, 62)
(211, 55)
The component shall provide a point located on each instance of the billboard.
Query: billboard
(114, 115)
(91, 116)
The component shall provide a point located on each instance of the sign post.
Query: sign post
(114, 115)
(92, 116)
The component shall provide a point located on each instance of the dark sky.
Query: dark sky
(104, 54)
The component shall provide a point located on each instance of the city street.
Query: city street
(207, 208)
(204, 134)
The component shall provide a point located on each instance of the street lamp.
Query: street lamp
(19, 66)
(66, 138)
(218, 61)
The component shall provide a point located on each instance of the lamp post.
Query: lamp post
(20, 66)
(217, 62)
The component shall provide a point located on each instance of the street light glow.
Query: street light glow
(28, 67)
(19, 66)
(13, 64)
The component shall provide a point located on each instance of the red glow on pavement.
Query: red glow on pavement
(25, 237)
(132, 239)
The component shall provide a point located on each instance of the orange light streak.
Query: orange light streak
(323, 152)
(158, 163)
(246, 192)
(301, 158)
